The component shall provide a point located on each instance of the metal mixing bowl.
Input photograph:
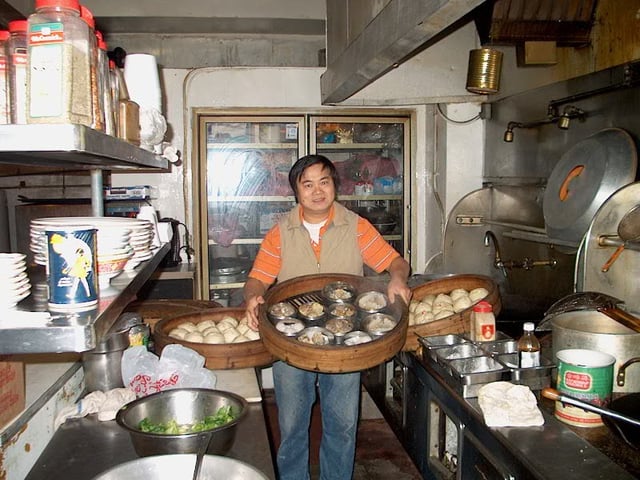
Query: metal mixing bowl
(186, 406)
(180, 467)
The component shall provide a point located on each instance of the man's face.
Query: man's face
(316, 192)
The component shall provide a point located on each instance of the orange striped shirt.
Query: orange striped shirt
(376, 251)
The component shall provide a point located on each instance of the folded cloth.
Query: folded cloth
(504, 404)
(105, 404)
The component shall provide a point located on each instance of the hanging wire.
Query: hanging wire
(457, 122)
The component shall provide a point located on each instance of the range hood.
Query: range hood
(508, 22)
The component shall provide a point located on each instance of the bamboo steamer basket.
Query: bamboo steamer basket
(331, 358)
(225, 356)
(152, 311)
(458, 322)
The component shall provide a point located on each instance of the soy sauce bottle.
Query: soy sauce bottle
(528, 347)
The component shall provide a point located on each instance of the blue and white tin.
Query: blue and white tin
(72, 268)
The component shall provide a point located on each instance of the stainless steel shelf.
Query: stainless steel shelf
(71, 146)
(32, 329)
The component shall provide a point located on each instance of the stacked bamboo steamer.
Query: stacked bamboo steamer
(458, 322)
(331, 358)
(218, 356)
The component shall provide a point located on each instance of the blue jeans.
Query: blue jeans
(295, 391)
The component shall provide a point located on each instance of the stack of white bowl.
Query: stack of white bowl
(121, 243)
(14, 281)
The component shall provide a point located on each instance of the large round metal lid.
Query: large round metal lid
(586, 175)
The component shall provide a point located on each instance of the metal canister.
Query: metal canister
(72, 268)
(483, 74)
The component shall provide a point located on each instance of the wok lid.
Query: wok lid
(586, 175)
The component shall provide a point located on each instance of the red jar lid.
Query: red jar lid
(4, 35)
(483, 307)
(18, 26)
(72, 4)
(87, 16)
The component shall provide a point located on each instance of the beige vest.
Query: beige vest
(339, 250)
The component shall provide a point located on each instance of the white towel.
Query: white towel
(504, 404)
(105, 404)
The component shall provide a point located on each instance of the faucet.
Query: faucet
(503, 265)
(489, 237)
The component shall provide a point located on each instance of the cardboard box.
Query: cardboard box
(12, 393)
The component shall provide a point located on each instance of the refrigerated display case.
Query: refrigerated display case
(243, 186)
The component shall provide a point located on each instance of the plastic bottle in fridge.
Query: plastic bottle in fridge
(59, 64)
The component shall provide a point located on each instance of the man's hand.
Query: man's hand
(399, 271)
(253, 297)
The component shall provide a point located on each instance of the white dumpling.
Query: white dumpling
(240, 339)
(412, 319)
(412, 305)
(230, 334)
(429, 298)
(422, 307)
(424, 317)
(443, 298)
(252, 335)
(203, 326)
(478, 294)
(230, 320)
(443, 314)
(194, 336)
(214, 337)
(224, 326)
(189, 326)
(457, 293)
(178, 333)
(242, 328)
(461, 304)
(209, 330)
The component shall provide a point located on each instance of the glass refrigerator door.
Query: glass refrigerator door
(245, 183)
(370, 154)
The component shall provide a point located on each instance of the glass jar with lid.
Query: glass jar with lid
(59, 64)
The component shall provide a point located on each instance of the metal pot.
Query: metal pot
(590, 329)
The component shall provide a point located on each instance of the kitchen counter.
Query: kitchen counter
(551, 451)
(444, 432)
(83, 448)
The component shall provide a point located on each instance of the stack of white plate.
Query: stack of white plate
(121, 243)
(14, 281)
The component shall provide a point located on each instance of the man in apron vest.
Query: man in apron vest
(319, 236)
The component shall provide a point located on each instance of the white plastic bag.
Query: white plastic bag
(177, 367)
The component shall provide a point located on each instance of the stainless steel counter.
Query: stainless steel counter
(83, 448)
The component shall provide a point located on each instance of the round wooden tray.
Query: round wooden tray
(152, 311)
(331, 358)
(458, 322)
(220, 356)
